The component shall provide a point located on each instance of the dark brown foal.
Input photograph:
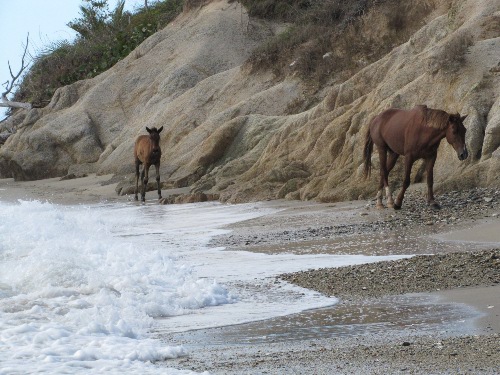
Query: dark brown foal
(147, 151)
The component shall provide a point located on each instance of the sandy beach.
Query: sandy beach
(436, 312)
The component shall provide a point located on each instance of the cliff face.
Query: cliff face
(227, 130)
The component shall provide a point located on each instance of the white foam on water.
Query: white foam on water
(77, 294)
(89, 287)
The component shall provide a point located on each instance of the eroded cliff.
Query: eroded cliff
(229, 130)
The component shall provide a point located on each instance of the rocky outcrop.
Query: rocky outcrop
(228, 131)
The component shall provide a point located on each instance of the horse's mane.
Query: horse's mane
(436, 118)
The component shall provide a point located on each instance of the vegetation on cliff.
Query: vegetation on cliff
(333, 38)
(104, 37)
(324, 38)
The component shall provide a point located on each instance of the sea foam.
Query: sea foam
(77, 292)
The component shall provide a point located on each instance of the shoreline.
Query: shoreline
(466, 224)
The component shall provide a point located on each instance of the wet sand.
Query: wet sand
(427, 330)
(86, 190)
(440, 331)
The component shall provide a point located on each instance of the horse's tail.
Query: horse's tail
(367, 153)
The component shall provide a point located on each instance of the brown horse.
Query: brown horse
(416, 134)
(147, 151)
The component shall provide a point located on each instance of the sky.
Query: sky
(44, 20)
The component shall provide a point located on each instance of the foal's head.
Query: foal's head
(154, 136)
(455, 135)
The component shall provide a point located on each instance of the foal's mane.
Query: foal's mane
(436, 118)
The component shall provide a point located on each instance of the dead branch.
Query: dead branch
(9, 85)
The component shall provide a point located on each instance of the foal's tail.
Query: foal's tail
(367, 153)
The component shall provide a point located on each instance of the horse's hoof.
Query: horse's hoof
(397, 206)
(379, 207)
(435, 206)
(390, 205)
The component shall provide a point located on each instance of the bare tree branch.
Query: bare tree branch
(10, 85)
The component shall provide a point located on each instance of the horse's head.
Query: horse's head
(455, 135)
(154, 136)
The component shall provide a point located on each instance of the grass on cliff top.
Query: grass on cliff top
(104, 38)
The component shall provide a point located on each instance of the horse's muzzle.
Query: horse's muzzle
(464, 154)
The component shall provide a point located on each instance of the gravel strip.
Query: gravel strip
(362, 355)
(422, 273)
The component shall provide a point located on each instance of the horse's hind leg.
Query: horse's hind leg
(143, 187)
(137, 162)
(379, 203)
(382, 154)
(391, 162)
(157, 167)
(408, 164)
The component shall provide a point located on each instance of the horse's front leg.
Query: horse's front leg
(408, 164)
(145, 179)
(430, 182)
(157, 167)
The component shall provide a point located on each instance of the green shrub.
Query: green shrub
(283, 10)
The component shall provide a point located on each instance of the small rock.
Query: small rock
(429, 222)
(406, 343)
(488, 199)
(70, 176)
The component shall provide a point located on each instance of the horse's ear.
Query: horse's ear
(159, 130)
(463, 118)
(148, 129)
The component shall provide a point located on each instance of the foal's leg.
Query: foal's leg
(136, 178)
(391, 162)
(382, 155)
(144, 178)
(408, 164)
(430, 182)
(157, 167)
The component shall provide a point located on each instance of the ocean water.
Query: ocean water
(97, 289)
